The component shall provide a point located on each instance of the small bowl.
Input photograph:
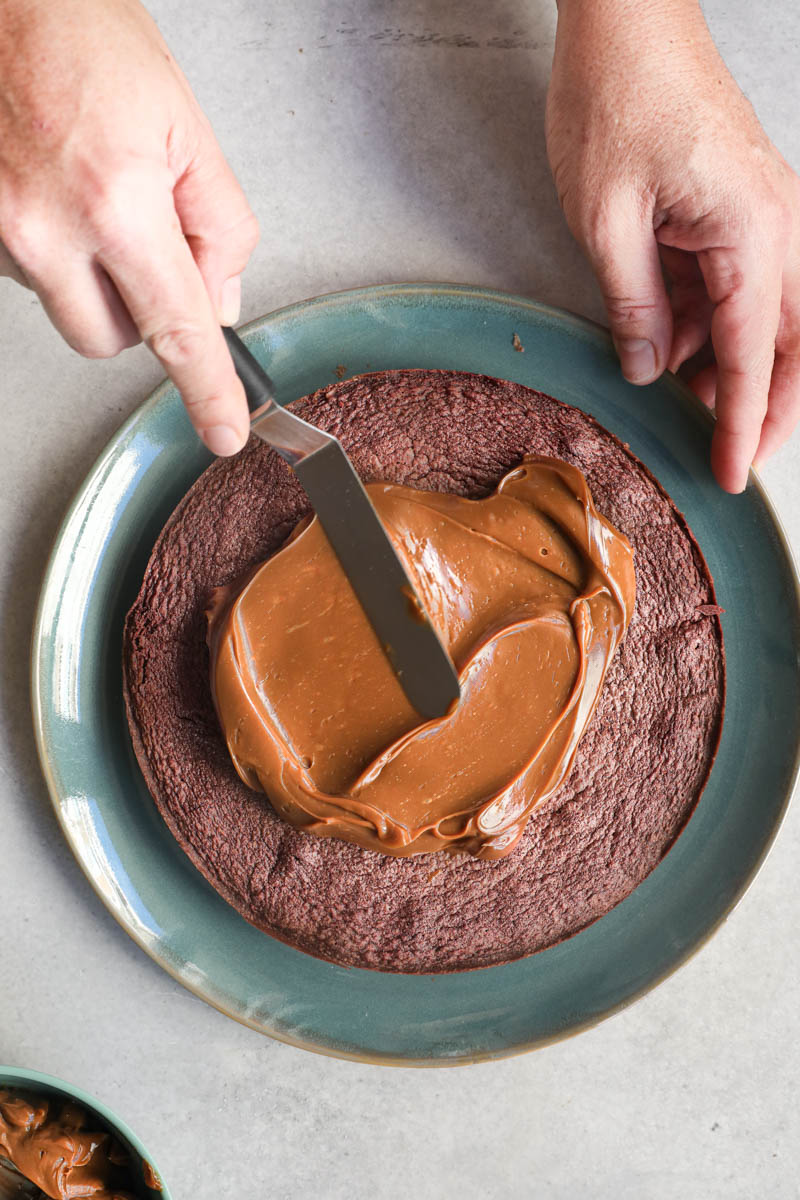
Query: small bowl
(35, 1084)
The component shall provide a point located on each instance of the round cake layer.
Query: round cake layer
(638, 772)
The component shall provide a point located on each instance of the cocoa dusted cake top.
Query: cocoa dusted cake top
(636, 776)
(531, 591)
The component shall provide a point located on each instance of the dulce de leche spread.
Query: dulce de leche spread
(51, 1143)
(531, 590)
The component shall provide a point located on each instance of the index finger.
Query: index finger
(164, 293)
(746, 292)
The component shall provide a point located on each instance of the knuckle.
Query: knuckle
(94, 346)
(22, 234)
(598, 230)
(608, 221)
(775, 218)
(248, 232)
(110, 223)
(727, 281)
(254, 231)
(231, 247)
(743, 426)
(112, 236)
(177, 345)
(111, 189)
(731, 279)
(203, 406)
(628, 310)
(117, 221)
(756, 375)
(93, 350)
(751, 390)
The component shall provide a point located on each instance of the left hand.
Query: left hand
(662, 165)
(116, 204)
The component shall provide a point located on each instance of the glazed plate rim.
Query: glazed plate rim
(579, 325)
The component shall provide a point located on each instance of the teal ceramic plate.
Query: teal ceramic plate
(168, 908)
(34, 1083)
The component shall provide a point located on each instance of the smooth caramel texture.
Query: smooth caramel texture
(531, 590)
(53, 1146)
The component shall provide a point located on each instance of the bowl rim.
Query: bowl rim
(370, 292)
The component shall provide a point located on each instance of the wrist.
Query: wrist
(631, 10)
(630, 42)
(631, 23)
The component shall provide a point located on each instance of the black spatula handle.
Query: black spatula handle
(258, 387)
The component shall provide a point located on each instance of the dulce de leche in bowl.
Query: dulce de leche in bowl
(68, 1145)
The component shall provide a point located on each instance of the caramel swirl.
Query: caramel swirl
(531, 590)
(53, 1145)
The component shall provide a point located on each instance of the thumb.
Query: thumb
(624, 256)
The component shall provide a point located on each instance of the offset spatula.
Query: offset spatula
(359, 540)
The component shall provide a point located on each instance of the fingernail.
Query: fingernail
(222, 439)
(638, 359)
(230, 301)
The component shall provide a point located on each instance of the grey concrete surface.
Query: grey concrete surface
(380, 141)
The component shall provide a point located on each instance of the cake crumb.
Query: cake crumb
(517, 344)
(341, 371)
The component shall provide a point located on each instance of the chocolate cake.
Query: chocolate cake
(639, 769)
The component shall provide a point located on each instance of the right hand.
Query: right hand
(116, 204)
(660, 162)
